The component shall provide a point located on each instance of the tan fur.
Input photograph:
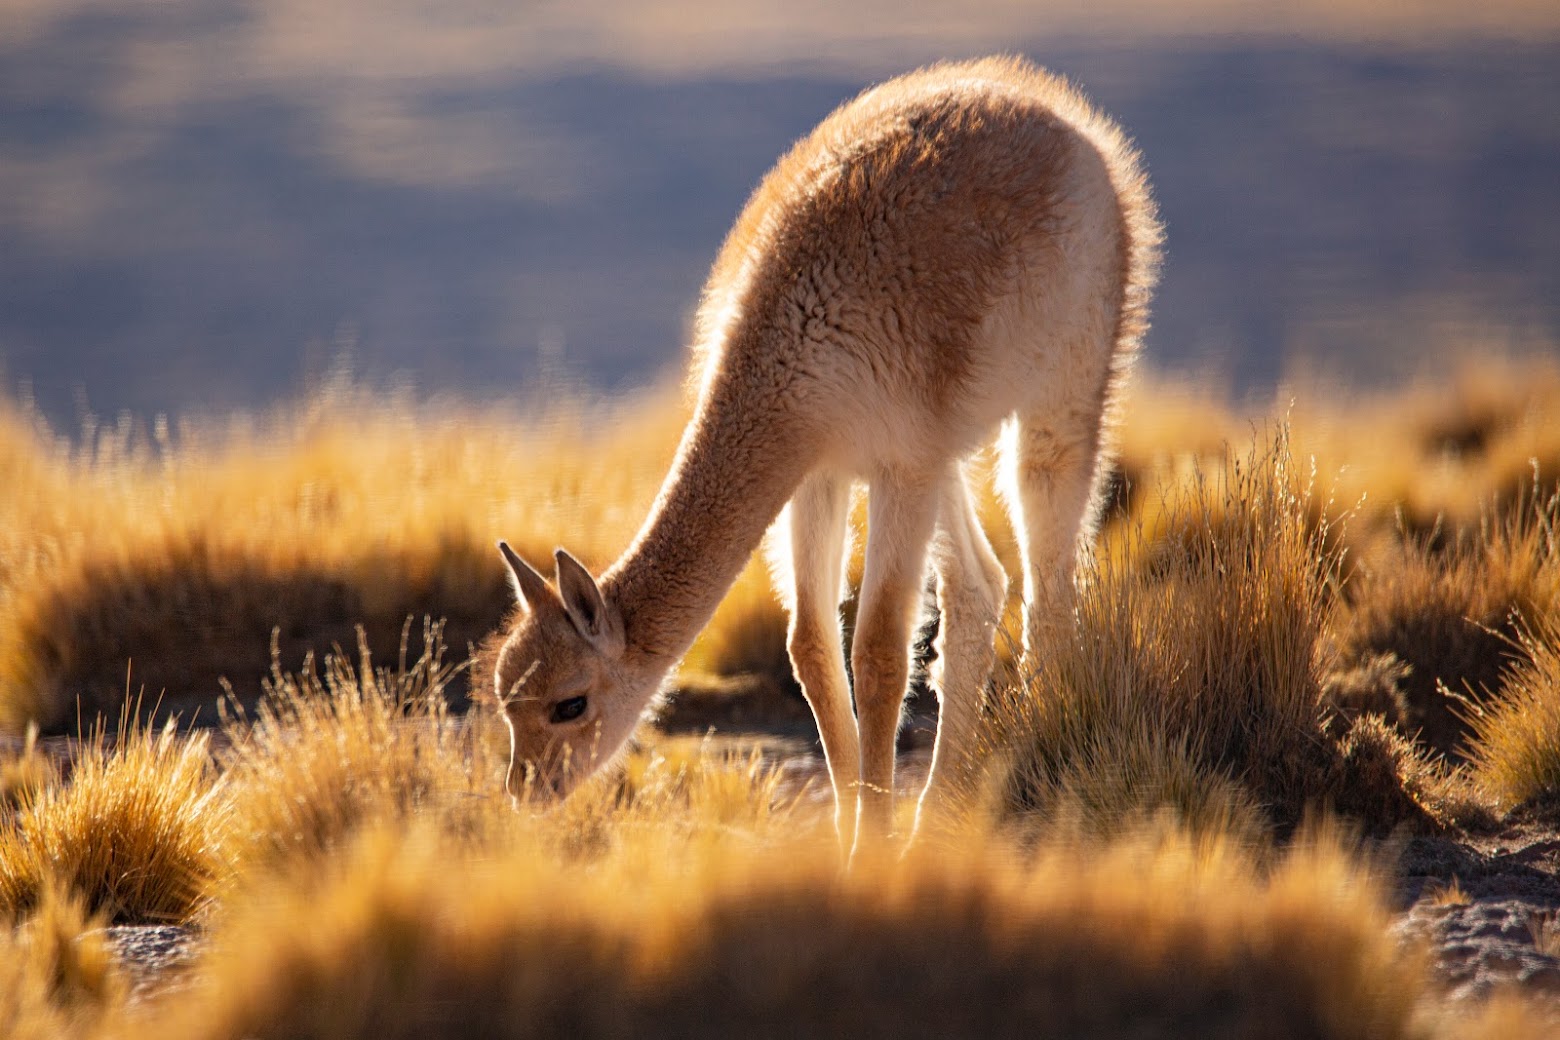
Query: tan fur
(964, 246)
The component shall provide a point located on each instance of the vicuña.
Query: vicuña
(966, 248)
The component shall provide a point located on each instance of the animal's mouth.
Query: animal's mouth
(528, 784)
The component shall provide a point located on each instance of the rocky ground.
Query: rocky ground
(1489, 909)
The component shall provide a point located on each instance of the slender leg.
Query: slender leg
(900, 514)
(971, 590)
(817, 528)
(1051, 461)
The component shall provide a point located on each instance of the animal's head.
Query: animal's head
(569, 698)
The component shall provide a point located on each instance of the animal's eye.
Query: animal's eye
(568, 710)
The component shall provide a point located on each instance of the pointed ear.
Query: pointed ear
(583, 601)
(529, 586)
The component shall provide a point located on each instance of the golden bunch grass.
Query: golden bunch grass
(58, 980)
(329, 751)
(137, 832)
(692, 780)
(172, 552)
(1433, 459)
(1193, 680)
(359, 868)
(1152, 935)
(1439, 454)
(685, 897)
(1449, 618)
(177, 553)
(1515, 753)
(25, 774)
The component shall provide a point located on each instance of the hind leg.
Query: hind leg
(1050, 460)
(971, 590)
(900, 514)
(816, 526)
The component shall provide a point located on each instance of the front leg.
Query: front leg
(817, 523)
(900, 513)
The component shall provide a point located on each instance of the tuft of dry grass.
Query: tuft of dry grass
(669, 796)
(331, 750)
(1437, 457)
(1448, 620)
(1153, 935)
(691, 778)
(176, 551)
(25, 773)
(1369, 685)
(1450, 894)
(1515, 754)
(137, 832)
(1193, 681)
(1382, 779)
(354, 860)
(58, 980)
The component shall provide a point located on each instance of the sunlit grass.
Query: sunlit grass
(161, 557)
(1150, 935)
(1193, 682)
(137, 832)
(171, 555)
(1515, 755)
(58, 980)
(335, 748)
(1448, 618)
(1245, 658)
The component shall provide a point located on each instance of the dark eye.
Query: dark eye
(568, 710)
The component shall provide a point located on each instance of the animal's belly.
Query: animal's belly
(916, 440)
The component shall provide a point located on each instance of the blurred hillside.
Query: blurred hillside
(203, 205)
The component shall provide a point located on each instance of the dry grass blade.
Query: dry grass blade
(1449, 617)
(1515, 755)
(58, 980)
(1193, 680)
(181, 548)
(1155, 935)
(138, 832)
(25, 775)
(328, 751)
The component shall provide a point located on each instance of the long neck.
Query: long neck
(739, 462)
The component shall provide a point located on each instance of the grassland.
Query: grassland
(1308, 633)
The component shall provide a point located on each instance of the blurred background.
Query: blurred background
(207, 205)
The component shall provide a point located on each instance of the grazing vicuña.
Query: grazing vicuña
(967, 246)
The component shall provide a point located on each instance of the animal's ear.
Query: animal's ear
(583, 602)
(530, 587)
